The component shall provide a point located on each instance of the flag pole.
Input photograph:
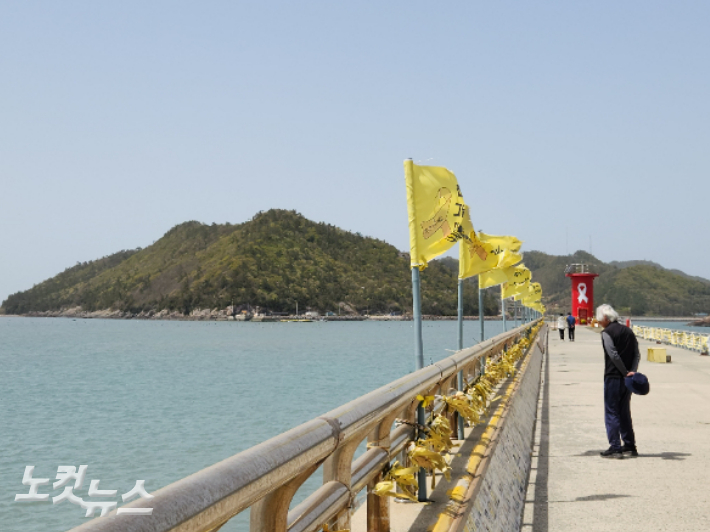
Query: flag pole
(460, 344)
(419, 361)
(480, 310)
(417, 309)
(518, 314)
(480, 319)
(460, 314)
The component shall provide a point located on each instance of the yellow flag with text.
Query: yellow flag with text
(482, 253)
(436, 211)
(518, 281)
(512, 289)
(519, 275)
(506, 248)
(492, 278)
(534, 295)
(512, 278)
(533, 290)
(536, 290)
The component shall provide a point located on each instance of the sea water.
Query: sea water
(160, 400)
(673, 325)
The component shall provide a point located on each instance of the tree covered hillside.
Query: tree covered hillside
(279, 258)
(272, 261)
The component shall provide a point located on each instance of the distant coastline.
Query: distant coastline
(226, 315)
(221, 315)
(279, 259)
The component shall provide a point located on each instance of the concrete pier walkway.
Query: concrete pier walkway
(666, 488)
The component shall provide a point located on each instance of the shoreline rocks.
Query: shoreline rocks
(218, 315)
(78, 312)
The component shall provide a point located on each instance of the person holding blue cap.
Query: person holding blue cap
(621, 360)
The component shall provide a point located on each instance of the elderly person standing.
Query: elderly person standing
(621, 359)
(561, 324)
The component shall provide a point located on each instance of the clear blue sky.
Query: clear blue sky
(119, 120)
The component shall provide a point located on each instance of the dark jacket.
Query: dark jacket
(621, 350)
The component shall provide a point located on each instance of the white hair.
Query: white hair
(608, 311)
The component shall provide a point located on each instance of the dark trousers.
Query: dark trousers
(617, 413)
(571, 333)
(562, 334)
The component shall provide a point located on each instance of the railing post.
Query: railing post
(378, 508)
(270, 514)
(338, 467)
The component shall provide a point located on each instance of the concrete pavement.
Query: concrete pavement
(666, 488)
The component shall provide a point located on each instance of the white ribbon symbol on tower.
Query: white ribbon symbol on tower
(582, 297)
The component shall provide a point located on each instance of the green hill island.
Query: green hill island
(279, 259)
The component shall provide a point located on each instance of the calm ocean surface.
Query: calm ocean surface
(675, 325)
(158, 401)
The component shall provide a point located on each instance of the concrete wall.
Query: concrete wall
(498, 503)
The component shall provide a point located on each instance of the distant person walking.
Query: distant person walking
(570, 325)
(561, 324)
(621, 359)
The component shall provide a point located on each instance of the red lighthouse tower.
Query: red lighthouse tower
(582, 292)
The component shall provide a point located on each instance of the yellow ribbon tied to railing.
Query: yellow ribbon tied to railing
(428, 452)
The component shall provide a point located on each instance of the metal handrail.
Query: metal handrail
(266, 476)
(687, 339)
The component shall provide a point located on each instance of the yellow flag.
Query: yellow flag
(533, 289)
(536, 290)
(521, 296)
(482, 253)
(509, 258)
(532, 300)
(512, 289)
(515, 276)
(436, 211)
(475, 257)
(519, 275)
(501, 243)
(492, 278)
(534, 294)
